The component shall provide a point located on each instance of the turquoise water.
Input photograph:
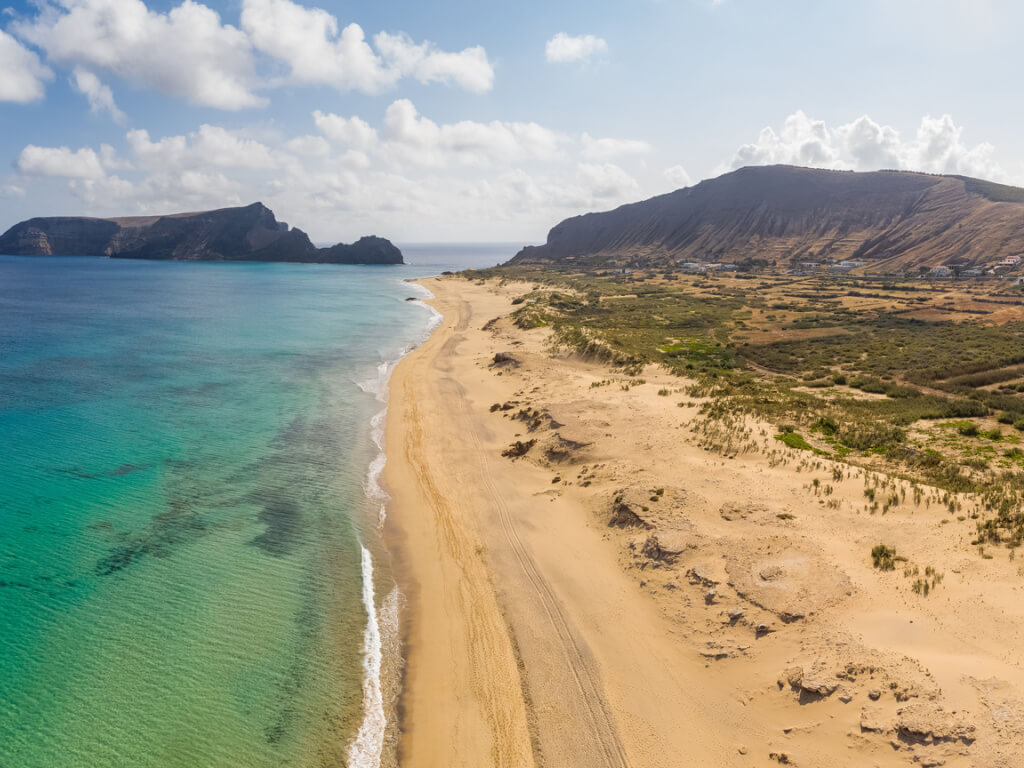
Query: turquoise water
(184, 508)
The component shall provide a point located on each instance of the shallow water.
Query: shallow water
(186, 514)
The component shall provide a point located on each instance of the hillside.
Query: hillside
(251, 233)
(893, 220)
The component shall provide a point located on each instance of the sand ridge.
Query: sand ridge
(622, 594)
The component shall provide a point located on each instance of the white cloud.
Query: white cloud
(677, 176)
(189, 53)
(310, 146)
(185, 52)
(863, 144)
(802, 141)
(403, 176)
(416, 140)
(100, 97)
(469, 68)
(60, 162)
(12, 191)
(938, 147)
(565, 48)
(605, 149)
(350, 130)
(606, 180)
(869, 144)
(410, 139)
(21, 73)
(308, 42)
(211, 145)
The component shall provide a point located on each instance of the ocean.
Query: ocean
(191, 572)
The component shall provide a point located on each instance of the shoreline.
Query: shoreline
(739, 621)
(382, 661)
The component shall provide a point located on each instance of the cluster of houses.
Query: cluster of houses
(1010, 263)
(697, 267)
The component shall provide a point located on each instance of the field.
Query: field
(916, 379)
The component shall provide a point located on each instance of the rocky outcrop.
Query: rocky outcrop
(251, 233)
(891, 220)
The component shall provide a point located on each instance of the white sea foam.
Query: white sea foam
(366, 749)
(381, 634)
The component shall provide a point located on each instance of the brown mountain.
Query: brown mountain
(890, 219)
(251, 233)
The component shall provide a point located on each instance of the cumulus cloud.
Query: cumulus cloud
(185, 52)
(308, 42)
(605, 149)
(99, 96)
(564, 48)
(938, 146)
(607, 180)
(411, 139)
(22, 75)
(60, 162)
(353, 131)
(677, 176)
(802, 141)
(310, 146)
(190, 53)
(402, 173)
(468, 68)
(211, 145)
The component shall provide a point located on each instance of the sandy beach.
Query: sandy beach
(617, 590)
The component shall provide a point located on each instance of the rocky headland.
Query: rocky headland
(890, 221)
(250, 233)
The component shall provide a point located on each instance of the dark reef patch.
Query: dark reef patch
(167, 530)
(282, 516)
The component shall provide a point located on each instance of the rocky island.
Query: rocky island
(249, 233)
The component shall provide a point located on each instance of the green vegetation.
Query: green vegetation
(794, 440)
(891, 375)
(883, 557)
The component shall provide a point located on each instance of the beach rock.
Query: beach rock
(811, 686)
(925, 722)
(623, 516)
(559, 449)
(518, 448)
(873, 720)
(504, 358)
(653, 550)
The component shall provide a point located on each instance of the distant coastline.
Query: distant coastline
(251, 233)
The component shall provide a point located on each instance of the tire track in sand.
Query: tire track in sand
(602, 732)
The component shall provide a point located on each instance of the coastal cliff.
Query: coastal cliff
(890, 220)
(250, 233)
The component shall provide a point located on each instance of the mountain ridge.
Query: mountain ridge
(892, 220)
(247, 233)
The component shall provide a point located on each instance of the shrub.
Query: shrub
(883, 557)
(794, 440)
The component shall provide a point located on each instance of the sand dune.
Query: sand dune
(621, 594)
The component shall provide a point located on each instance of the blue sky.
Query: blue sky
(455, 120)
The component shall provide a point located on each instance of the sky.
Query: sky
(460, 120)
